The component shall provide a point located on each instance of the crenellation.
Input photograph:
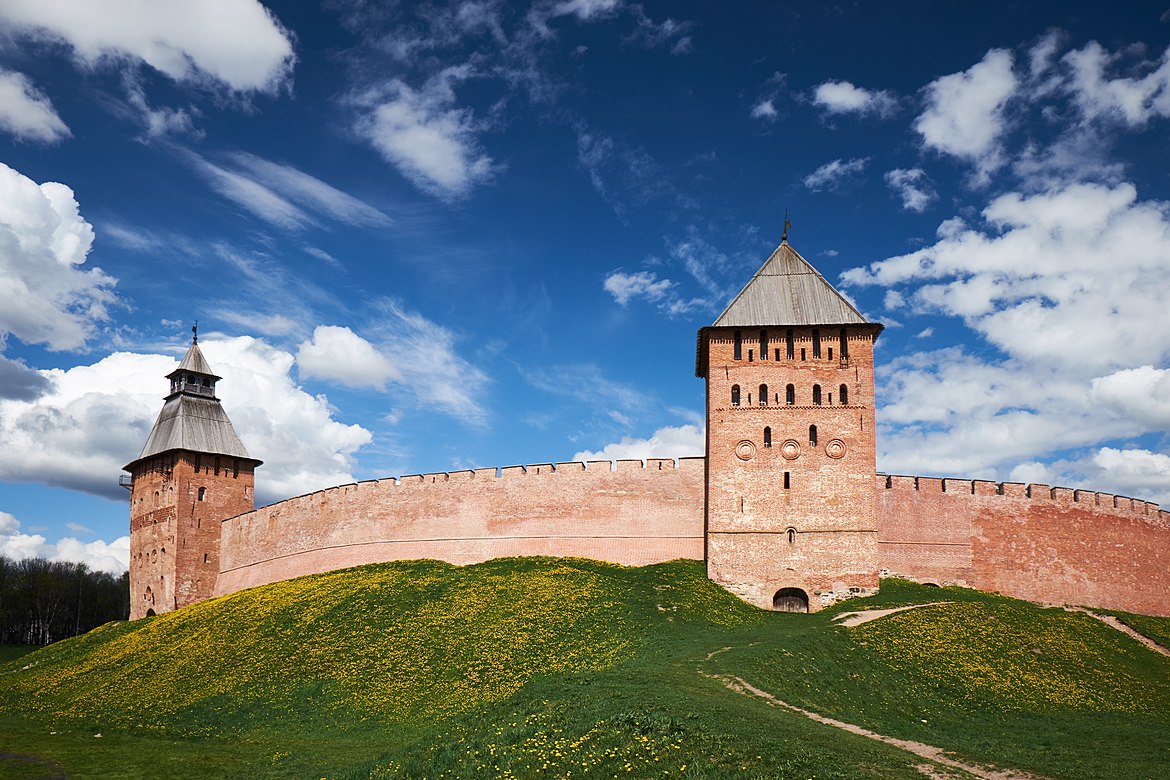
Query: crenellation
(509, 472)
(626, 465)
(571, 467)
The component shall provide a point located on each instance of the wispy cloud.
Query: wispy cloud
(26, 112)
(832, 174)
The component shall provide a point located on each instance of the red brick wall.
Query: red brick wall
(634, 515)
(174, 536)
(1033, 542)
(829, 503)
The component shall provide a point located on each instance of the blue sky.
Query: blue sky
(426, 237)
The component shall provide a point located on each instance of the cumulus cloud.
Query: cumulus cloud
(340, 355)
(1129, 100)
(237, 43)
(1136, 472)
(406, 351)
(95, 418)
(913, 186)
(831, 175)
(683, 441)
(643, 284)
(45, 296)
(26, 112)
(964, 114)
(1065, 285)
(21, 383)
(110, 557)
(425, 136)
(842, 97)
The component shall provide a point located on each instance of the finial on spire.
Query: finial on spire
(195, 332)
(787, 226)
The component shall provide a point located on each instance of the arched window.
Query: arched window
(812, 435)
(816, 343)
(738, 354)
(790, 395)
(816, 395)
(735, 395)
(217, 465)
(843, 394)
(767, 437)
(763, 395)
(202, 493)
(763, 345)
(792, 536)
(791, 344)
(844, 344)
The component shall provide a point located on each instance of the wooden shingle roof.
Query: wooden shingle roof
(788, 291)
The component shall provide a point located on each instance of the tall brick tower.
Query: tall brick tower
(193, 473)
(790, 503)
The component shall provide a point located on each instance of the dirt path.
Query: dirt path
(851, 619)
(1113, 622)
(920, 749)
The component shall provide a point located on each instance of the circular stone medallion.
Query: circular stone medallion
(745, 450)
(835, 449)
(790, 449)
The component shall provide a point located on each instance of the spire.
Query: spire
(787, 227)
(195, 327)
(192, 418)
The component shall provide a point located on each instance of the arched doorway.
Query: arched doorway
(790, 600)
(150, 613)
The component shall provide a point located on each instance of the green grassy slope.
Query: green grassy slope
(572, 668)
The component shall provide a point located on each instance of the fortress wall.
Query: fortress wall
(628, 512)
(1028, 541)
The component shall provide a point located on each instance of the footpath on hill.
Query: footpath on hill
(921, 749)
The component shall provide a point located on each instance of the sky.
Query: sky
(424, 237)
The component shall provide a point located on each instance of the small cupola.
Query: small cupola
(194, 375)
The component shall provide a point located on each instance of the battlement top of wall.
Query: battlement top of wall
(1064, 496)
(566, 469)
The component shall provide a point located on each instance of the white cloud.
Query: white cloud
(45, 298)
(832, 174)
(1141, 394)
(585, 10)
(643, 284)
(252, 195)
(110, 557)
(765, 109)
(1132, 101)
(95, 419)
(26, 112)
(683, 441)
(406, 351)
(842, 97)
(1068, 285)
(1136, 472)
(237, 43)
(913, 185)
(421, 133)
(964, 114)
(310, 192)
(341, 355)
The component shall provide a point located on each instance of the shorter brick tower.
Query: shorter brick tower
(193, 473)
(791, 515)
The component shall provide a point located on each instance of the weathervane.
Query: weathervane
(195, 332)
(787, 226)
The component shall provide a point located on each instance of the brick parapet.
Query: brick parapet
(627, 512)
(1031, 541)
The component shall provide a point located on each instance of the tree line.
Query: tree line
(45, 601)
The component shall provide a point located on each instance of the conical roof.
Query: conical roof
(194, 362)
(788, 291)
(192, 418)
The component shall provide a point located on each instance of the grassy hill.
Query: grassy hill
(571, 668)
